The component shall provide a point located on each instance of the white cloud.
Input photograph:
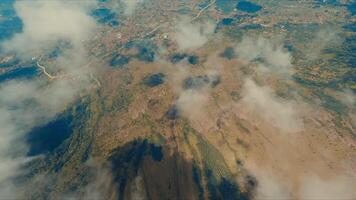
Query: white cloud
(191, 36)
(191, 103)
(323, 38)
(275, 57)
(348, 97)
(137, 189)
(316, 188)
(269, 187)
(25, 104)
(46, 23)
(275, 110)
(130, 6)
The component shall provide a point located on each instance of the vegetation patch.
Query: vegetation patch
(249, 7)
(228, 53)
(200, 81)
(154, 80)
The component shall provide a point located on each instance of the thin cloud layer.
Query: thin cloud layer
(277, 111)
(46, 23)
(325, 37)
(130, 6)
(348, 97)
(25, 104)
(191, 36)
(315, 188)
(191, 103)
(273, 56)
(270, 188)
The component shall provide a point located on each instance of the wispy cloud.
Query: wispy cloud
(270, 187)
(130, 6)
(191, 36)
(46, 23)
(323, 38)
(267, 52)
(314, 187)
(277, 111)
(191, 103)
(25, 104)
